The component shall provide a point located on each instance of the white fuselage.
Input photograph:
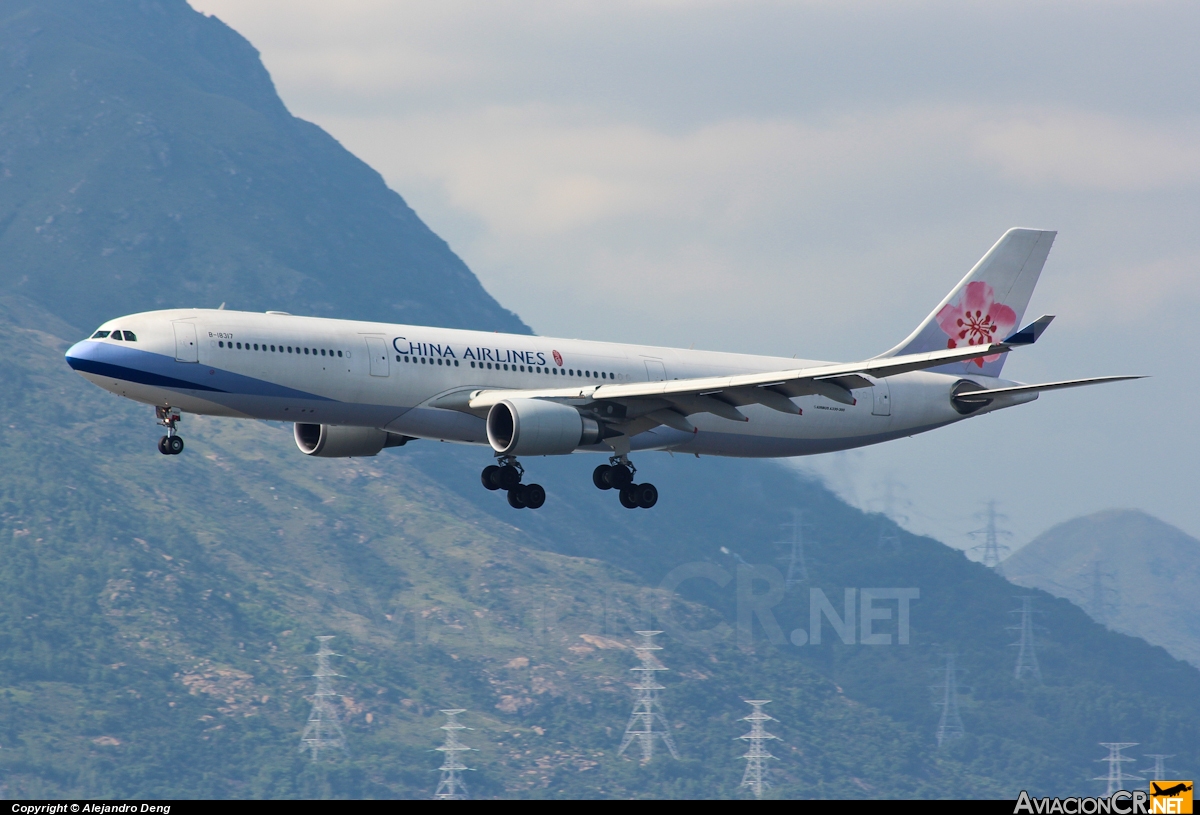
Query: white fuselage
(343, 372)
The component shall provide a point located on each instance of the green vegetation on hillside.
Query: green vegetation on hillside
(146, 160)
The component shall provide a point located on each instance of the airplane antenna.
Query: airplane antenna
(451, 786)
(323, 732)
(1027, 662)
(797, 568)
(950, 724)
(1116, 776)
(1160, 766)
(991, 547)
(755, 776)
(647, 712)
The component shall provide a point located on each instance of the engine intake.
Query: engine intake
(535, 427)
(337, 441)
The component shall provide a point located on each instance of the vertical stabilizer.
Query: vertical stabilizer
(987, 305)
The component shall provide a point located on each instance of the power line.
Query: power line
(950, 724)
(646, 709)
(991, 546)
(1116, 776)
(1027, 662)
(451, 786)
(755, 776)
(797, 569)
(323, 732)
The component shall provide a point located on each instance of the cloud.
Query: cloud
(1089, 151)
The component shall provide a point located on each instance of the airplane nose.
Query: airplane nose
(73, 354)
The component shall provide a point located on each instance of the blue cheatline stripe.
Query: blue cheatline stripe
(91, 366)
(148, 368)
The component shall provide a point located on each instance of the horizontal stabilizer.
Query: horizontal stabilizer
(1030, 333)
(984, 396)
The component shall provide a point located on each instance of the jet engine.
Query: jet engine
(535, 427)
(336, 441)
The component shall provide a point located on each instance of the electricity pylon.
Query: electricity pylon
(797, 569)
(646, 709)
(451, 786)
(991, 546)
(1160, 770)
(323, 731)
(755, 776)
(1116, 776)
(1103, 597)
(1027, 662)
(950, 724)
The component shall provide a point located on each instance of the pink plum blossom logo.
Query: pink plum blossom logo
(977, 319)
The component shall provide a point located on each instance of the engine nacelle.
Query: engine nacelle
(535, 427)
(336, 441)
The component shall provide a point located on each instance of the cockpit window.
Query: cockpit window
(99, 335)
(116, 335)
(130, 336)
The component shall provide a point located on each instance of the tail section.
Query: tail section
(987, 306)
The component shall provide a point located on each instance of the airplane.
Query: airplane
(354, 388)
(1170, 791)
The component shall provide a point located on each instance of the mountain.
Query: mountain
(158, 614)
(146, 160)
(1127, 569)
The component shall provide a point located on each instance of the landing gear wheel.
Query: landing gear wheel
(175, 445)
(533, 496)
(508, 478)
(516, 498)
(162, 445)
(490, 477)
(619, 477)
(646, 495)
(628, 498)
(600, 477)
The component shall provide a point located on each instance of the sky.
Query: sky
(811, 178)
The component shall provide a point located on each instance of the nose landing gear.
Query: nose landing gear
(172, 443)
(618, 475)
(506, 475)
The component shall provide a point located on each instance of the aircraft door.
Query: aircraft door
(882, 395)
(377, 353)
(186, 347)
(655, 372)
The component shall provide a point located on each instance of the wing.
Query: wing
(643, 405)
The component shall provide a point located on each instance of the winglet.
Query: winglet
(1030, 333)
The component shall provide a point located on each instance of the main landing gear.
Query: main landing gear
(618, 475)
(172, 443)
(506, 475)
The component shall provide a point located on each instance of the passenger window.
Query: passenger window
(289, 349)
(339, 354)
(439, 360)
(489, 366)
(456, 363)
